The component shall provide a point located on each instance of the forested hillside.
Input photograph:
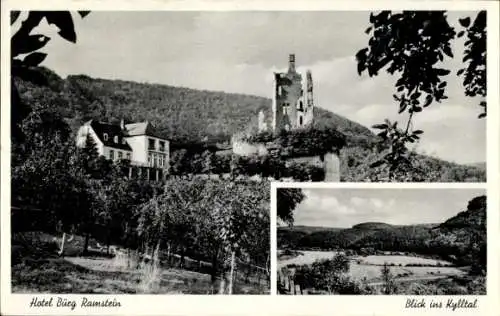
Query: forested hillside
(461, 238)
(194, 116)
(181, 114)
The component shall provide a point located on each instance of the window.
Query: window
(124, 141)
(149, 159)
(301, 106)
(105, 136)
(111, 154)
(120, 155)
(162, 146)
(128, 156)
(115, 139)
(285, 108)
(151, 144)
(300, 121)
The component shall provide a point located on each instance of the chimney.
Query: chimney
(291, 63)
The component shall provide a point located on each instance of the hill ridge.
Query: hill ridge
(199, 119)
(183, 114)
(462, 236)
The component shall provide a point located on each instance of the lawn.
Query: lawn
(36, 268)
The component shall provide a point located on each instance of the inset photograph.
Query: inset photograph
(381, 241)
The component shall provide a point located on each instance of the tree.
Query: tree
(474, 75)
(208, 164)
(329, 275)
(88, 156)
(47, 174)
(23, 43)
(39, 127)
(234, 211)
(179, 162)
(413, 44)
(112, 209)
(217, 220)
(50, 179)
(388, 279)
(287, 200)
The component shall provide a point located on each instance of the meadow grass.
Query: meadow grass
(36, 268)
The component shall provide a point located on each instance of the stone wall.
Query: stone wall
(243, 148)
(332, 167)
(330, 161)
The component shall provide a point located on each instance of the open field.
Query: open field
(369, 267)
(372, 273)
(36, 268)
(307, 257)
(403, 260)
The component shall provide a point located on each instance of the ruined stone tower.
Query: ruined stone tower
(293, 101)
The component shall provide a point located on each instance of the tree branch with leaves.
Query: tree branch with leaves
(26, 56)
(413, 46)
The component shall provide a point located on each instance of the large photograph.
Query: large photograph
(144, 143)
(381, 241)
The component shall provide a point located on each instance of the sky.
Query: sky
(238, 52)
(344, 208)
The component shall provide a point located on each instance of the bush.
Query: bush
(311, 141)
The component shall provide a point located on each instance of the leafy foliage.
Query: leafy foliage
(23, 42)
(208, 219)
(309, 141)
(413, 44)
(328, 275)
(410, 43)
(475, 55)
(388, 279)
(395, 155)
(287, 200)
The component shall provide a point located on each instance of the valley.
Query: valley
(379, 258)
(367, 269)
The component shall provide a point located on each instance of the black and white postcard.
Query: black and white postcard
(142, 143)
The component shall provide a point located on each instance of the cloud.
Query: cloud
(357, 201)
(322, 209)
(367, 202)
(448, 129)
(376, 202)
(347, 207)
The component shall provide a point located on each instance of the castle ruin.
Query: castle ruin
(292, 100)
(292, 109)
